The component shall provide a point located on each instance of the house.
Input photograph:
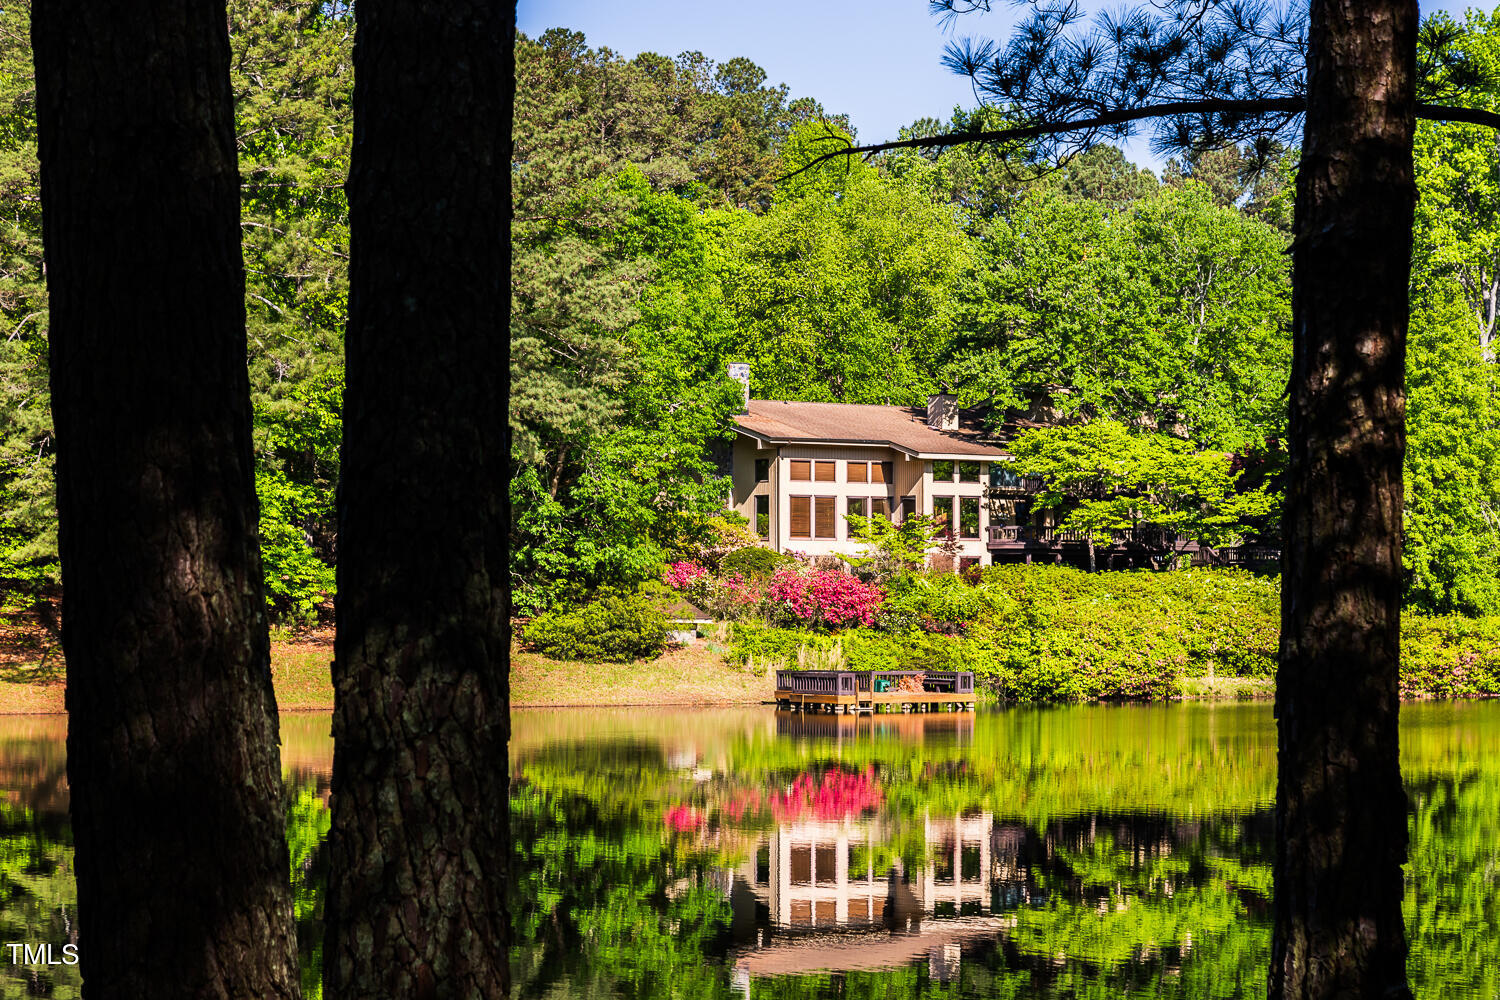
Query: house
(799, 469)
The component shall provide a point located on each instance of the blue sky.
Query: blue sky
(875, 60)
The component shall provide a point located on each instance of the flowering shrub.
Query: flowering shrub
(681, 575)
(836, 795)
(826, 597)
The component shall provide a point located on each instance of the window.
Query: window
(763, 516)
(801, 509)
(857, 506)
(942, 510)
(881, 506)
(801, 471)
(826, 472)
(813, 517)
(824, 514)
(968, 517)
(942, 471)
(1002, 476)
(908, 508)
(762, 470)
(869, 472)
(968, 472)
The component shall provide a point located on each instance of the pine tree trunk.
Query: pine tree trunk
(177, 818)
(420, 837)
(1340, 808)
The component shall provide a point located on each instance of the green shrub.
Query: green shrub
(1449, 656)
(752, 561)
(1045, 633)
(945, 597)
(612, 628)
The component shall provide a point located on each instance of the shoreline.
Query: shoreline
(689, 677)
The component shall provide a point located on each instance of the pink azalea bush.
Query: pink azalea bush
(681, 575)
(827, 597)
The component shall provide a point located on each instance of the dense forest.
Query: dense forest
(652, 243)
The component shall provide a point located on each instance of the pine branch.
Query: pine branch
(1270, 105)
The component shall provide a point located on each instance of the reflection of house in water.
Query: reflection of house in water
(828, 896)
(822, 874)
(818, 886)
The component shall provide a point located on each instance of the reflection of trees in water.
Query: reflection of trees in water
(1452, 904)
(1099, 902)
(1099, 905)
(1096, 902)
(38, 898)
(307, 823)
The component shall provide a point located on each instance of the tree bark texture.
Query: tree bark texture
(173, 766)
(1340, 809)
(420, 837)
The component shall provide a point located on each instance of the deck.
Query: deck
(1121, 548)
(844, 691)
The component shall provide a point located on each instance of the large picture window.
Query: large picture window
(813, 517)
(942, 471)
(825, 522)
(968, 472)
(800, 509)
(942, 511)
(968, 517)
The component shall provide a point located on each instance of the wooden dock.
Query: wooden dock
(845, 691)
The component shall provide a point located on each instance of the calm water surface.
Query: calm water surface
(1061, 853)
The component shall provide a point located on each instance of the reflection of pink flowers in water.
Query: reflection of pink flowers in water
(743, 801)
(837, 795)
(683, 818)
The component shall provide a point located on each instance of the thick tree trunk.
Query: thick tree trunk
(183, 886)
(1340, 808)
(420, 838)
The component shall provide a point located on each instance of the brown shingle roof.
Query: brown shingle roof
(901, 427)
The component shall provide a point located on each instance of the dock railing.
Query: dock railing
(852, 682)
(841, 682)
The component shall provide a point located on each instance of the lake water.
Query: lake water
(1058, 853)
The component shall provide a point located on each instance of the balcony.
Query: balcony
(1025, 536)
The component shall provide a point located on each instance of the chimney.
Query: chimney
(740, 372)
(942, 412)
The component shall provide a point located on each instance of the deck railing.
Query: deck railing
(816, 681)
(1026, 534)
(865, 682)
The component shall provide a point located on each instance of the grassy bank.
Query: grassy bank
(692, 675)
(1029, 634)
(31, 677)
(695, 675)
